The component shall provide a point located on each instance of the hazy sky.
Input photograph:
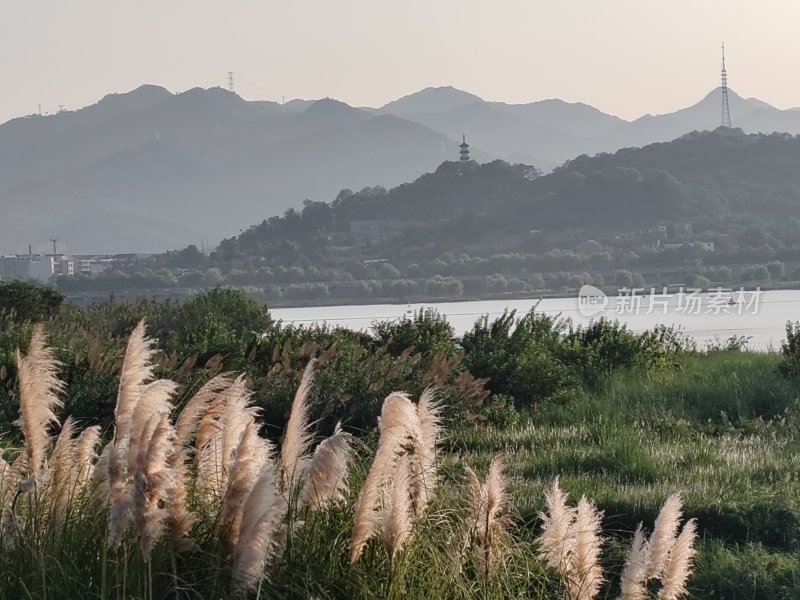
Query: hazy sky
(627, 57)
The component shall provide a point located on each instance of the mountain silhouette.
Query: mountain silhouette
(430, 100)
(201, 164)
(150, 170)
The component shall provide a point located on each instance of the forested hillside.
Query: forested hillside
(712, 207)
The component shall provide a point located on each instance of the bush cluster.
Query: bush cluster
(523, 360)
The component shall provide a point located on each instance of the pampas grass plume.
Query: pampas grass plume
(220, 431)
(633, 580)
(237, 415)
(260, 530)
(187, 422)
(152, 481)
(664, 535)
(326, 476)
(397, 514)
(63, 463)
(179, 518)
(679, 567)
(556, 541)
(155, 399)
(99, 481)
(119, 495)
(297, 440)
(399, 433)
(585, 574)
(137, 370)
(85, 455)
(39, 387)
(489, 519)
(425, 476)
(253, 455)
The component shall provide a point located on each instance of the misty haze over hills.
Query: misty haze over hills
(150, 170)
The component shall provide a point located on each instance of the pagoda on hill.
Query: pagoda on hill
(464, 152)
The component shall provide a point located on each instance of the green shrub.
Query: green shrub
(790, 351)
(603, 346)
(28, 302)
(519, 356)
(734, 343)
(220, 321)
(426, 331)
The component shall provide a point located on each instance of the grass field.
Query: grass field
(719, 428)
(722, 429)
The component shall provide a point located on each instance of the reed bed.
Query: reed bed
(197, 504)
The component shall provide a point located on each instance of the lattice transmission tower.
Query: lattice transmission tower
(726, 109)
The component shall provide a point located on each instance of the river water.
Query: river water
(761, 316)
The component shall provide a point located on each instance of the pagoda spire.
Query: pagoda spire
(464, 152)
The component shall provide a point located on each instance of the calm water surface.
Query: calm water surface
(703, 316)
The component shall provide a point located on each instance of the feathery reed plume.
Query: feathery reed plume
(497, 502)
(633, 580)
(477, 494)
(260, 530)
(253, 455)
(210, 423)
(326, 476)
(211, 479)
(664, 534)
(137, 371)
(39, 387)
(155, 399)
(10, 475)
(189, 418)
(237, 415)
(4, 468)
(153, 405)
(297, 439)
(153, 480)
(489, 521)
(472, 533)
(99, 488)
(85, 455)
(119, 495)
(424, 475)
(680, 563)
(179, 518)
(59, 486)
(224, 432)
(556, 541)
(398, 513)
(585, 574)
(399, 434)
(11, 486)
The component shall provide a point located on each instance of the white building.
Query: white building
(15, 266)
(44, 268)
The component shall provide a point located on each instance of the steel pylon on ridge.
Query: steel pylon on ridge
(726, 109)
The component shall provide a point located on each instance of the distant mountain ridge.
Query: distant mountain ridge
(567, 130)
(203, 164)
(150, 170)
